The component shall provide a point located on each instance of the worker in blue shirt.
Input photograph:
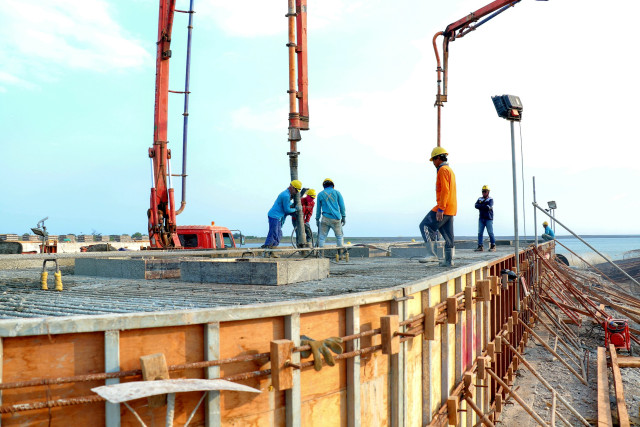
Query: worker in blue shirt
(331, 210)
(484, 204)
(548, 232)
(278, 212)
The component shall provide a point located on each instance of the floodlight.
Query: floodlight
(37, 232)
(508, 107)
(552, 204)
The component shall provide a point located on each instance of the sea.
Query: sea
(614, 247)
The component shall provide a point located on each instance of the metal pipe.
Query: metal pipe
(515, 215)
(439, 100)
(535, 226)
(591, 247)
(186, 112)
(522, 403)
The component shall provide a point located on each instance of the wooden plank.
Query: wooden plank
(212, 352)
(353, 368)
(623, 415)
(293, 396)
(154, 367)
(452, 310)
(604, 406)
(628, 362)
(390, 342)
(396, 368)
(468, 298)
(412, 349)
(111, 364)
(429, 332)
(281, 372)
(444, 351)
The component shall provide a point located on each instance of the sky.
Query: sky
(77, 97)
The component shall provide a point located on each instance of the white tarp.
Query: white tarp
(124, 392)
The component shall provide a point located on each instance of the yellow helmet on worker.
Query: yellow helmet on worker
(296, 184)
(438, 151)
(328, 182)
(545, 223)
(485, 188)
(311, 192)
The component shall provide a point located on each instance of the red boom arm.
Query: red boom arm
(161, 214)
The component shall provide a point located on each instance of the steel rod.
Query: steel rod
(522, 403)
(515, 215)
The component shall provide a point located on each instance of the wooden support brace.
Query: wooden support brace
(498, 341)
(452, 310)
(389, 325)
(430, 323)
(495, 285)
(517, 398)
(467, 378)
(553, 409)
(623, 415)
(484, 290)
(483, 364)
(452, 410)
(154, 367)
(483, 418)
(491, 351)
(468, 298)
(281, 369)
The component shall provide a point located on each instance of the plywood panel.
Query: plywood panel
(413, 363)
(330, 411)
(243, 338)
(451, 291)
(374, 368)
(27, 358)
(180, 344)
(374, 402)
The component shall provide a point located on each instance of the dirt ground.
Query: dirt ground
(582, 398)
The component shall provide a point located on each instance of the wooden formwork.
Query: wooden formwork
(446, 324)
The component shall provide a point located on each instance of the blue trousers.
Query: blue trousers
(488, 223)
(275, 232)
(430, 226)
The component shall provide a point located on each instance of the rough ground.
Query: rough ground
(582, 398)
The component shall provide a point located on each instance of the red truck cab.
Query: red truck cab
(205, 237)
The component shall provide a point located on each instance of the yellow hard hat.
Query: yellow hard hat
(311, 192)
(486, 187)
(545, 223)
(327, 180)
(437, 151)
(296, 184)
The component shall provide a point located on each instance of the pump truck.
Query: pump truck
(164, 233)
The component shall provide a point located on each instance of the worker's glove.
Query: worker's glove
(344, 220)
(321, 348)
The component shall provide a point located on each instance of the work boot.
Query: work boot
(448, 257)
(274, 255)
(431, 253)
(480, 248)
(492, 248)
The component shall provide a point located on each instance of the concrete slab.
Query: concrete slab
(128, 268)
(254, 271)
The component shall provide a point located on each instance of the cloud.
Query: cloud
(43, 38)
(255, 18)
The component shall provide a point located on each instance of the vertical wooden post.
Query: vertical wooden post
(293, 395)
(452, 310)
(452, 410)
(1, 363)
(427, 342)
(353, 367)
(389, 325)
(396, 359)
(212, 352)
(111, 364)
(154, 367)
(444, 350)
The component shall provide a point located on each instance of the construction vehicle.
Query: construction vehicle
(164, 233)
(454, 31)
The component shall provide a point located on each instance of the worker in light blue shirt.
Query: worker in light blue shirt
(278, 212)
(548, 232)
(331, 209)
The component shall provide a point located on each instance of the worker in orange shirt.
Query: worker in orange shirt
(440, 218)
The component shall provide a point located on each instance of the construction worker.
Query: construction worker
(278, 212)
(548, 232)
(485, 205)
(331, 209)
(440, 218)
(308, 201)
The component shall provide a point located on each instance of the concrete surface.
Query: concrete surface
(255, 271)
